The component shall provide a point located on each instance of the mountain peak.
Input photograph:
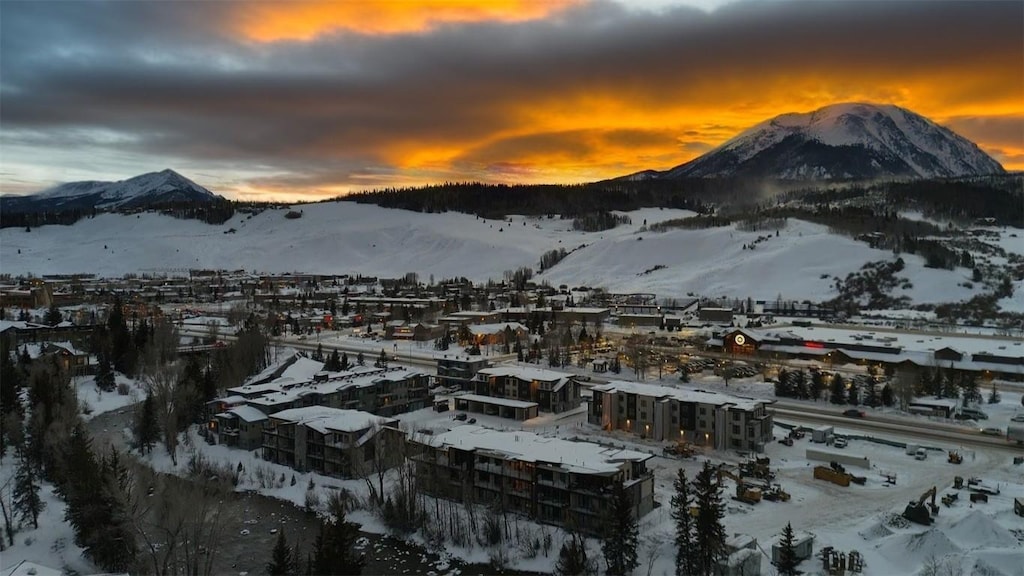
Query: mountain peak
(849, 140)
(147, 189)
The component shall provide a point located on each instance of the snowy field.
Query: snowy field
(345, 237)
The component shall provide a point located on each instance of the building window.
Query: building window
(736, 429)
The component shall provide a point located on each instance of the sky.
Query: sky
(299, 100)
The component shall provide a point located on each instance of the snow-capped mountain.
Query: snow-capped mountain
(149, 189)
(842, 141)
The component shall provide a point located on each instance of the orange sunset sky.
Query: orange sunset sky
(304, 100)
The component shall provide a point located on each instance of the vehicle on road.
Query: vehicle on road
(992, 431)
(1017, 418)
(854, 413)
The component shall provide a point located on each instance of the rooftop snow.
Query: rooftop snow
(324, 418)
(496, 401)
(580, 457)
(525, 373)
(681, 394)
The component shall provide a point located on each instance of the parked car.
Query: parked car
(840, 442)
(854, 413)
(992, 431)
(1017, 418)
(461, 416)
(472, 420)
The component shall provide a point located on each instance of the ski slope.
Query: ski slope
(801, 263)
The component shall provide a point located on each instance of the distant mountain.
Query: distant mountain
(146, 190)
(841, 141)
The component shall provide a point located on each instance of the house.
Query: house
(239, 427)
(665, 413)
(550, 480)
(330, 441)
(76, 362)
(457, 371)
(497, 334)
(552, 391)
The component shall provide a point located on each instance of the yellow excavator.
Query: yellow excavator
(918, 513)
(744, 493)
(955, 457)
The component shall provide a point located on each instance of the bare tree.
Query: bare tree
(178, 522)
(163, 386)
(903, 387)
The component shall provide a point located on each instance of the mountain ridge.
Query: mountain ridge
(851, 140)
(142, 191)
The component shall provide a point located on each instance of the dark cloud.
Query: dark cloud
(176, 79)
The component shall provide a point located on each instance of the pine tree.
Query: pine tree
(782, 389)
(319, 354)
(360, 359)
(334, 549)
(382, 360)
(53, 316)
(993, 396)
(838, 390)
(853, 395)
(817, 385)
(787, 553)
(27, 503)
(710, 533)
(686, 552)
(887, 396)
(104, 374)
(344, 361)
(147, 429)
(972, 395)
(282, 561)
(621, 537)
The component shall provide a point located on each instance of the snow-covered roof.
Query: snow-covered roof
(248, 413)
(324, 418)
(496, 401)
(26, 568)
(496, 328)
(272, 394)
(681, 394)
(524, 373)
(579, 457)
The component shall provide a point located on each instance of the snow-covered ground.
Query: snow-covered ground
(345, 237)
(92, 401)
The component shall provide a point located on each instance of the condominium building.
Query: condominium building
(458, 370)
(551, 480)
(552, 391)
(329, 440)
(665, 413)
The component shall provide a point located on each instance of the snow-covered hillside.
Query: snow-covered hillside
(850, 140)
(344, 237)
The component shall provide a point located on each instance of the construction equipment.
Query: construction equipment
(838, 563)
(842, 470)
(757, 468)
(918, 513)
(958, 482)
(955, 457)
(979, 497)
(949, 499)
(830, 475)
(681, 449)
(744, 493)
(1018, 506)
(775, 493)
(788, 441)
(977, 485)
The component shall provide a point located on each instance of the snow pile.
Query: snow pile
(875, 531)
(998, 563)
(978, 529)
(910, 551)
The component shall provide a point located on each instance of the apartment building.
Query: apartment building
(330, 441)
(665, 413)
(551, 480)
(552, 391)
(458, 370)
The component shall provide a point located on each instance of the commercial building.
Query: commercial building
(664, 413)
(551, 480)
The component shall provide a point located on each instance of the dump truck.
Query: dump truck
(918, 513)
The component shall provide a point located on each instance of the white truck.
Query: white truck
(1015, 432)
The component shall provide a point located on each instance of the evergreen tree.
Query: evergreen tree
(27, 503)
(360, 360)
(853, 394)
(799, 385)
(817, 385)
(993, 396)
(104, 374)
(11, 381)
(282, 561)
(782, 389)
(686, 551)
(871, 392)
(787, 552)
(621, 537)
(147, 429)
(887, 395)
(344, 365)
(838, 390)
(969, 383)
(53, 316)
(382, 360)
(926, 384)
(319, 354)
(334, 549)
(710, 533)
